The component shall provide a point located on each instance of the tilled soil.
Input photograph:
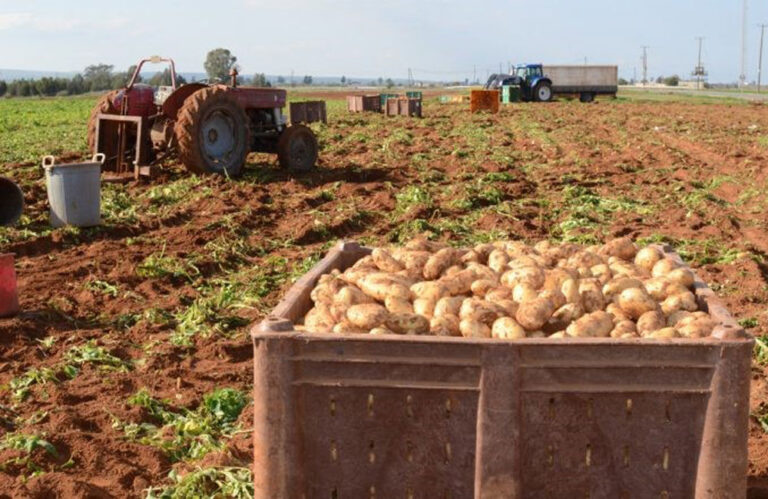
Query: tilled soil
(692, 175)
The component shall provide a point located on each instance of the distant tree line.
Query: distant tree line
(95, 78)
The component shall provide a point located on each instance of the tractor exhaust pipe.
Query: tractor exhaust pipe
(11, 202)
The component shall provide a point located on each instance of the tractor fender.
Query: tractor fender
(174, 101)
(540, 79)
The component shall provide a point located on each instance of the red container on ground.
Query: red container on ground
(9, 298)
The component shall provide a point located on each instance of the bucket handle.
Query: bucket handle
(48, 161)
(99, 158)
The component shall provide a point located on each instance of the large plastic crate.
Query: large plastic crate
(363, 103)
(434, 417)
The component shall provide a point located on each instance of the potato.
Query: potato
(555, 278)
(385, 261)
(680, 301)
(482, 286)
(430, 290)
(651, 321)
(448, 305)
(483, 272)
(595, 325)
(326, 290)
(445, 325)
(558, 335)
(365, 263)
(380, 287)
(474, 329)
(622, 247)
(657, 287)
(338, 312)
(635, 302)
(615, 286)
(570, 290)
(459, 283)
(498, 260)
(682, 276)
(523, 292)
(407, 324)
(601, 272)
(591, 294)
(422, 244)
(499, 293)
(567, 313)
(530, 275)
(676, 317)
(533, 314)
(647, 257)
(663, 267)
(452, 270)
(367, 315)
(617, 313)
(398, 305)
(439, 263)
(624, 329)
(505, 306)
(319, 319)
(555, 296)
(424, 306)
(506, 328)
(484, 250)
(470, 256)
(696, 328)
(381, 330)
(477, 310)
(347, 328)
(350, 295)
(667, 332)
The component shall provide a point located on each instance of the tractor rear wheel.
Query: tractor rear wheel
(103, 106)
(542, 92)
(212, 133)
(297, 149)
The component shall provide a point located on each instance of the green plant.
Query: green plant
(214, 483)
(90, 353)
(761, 350)
(158, 265)
(186, 434)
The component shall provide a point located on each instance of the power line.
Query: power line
(699, 71)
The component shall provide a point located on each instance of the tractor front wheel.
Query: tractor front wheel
(297, 149)
(212, 133)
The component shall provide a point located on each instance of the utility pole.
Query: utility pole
(699, 70)
(634, 75)
(474, 73)
(645, 64)
(743, 74)
(760, 60)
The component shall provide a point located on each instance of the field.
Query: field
(128, 374)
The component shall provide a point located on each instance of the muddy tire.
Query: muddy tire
(212, 134)
(104, 106)
(297, 149)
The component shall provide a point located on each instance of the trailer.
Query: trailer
(541, 83)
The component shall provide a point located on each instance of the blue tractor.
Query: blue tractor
(534, 84)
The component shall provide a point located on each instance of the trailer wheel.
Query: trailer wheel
(587, 97)
(212, 133)
(297, 149)
(542, 92)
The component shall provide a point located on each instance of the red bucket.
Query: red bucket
(9, 298)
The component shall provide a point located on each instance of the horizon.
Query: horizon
(438, 40)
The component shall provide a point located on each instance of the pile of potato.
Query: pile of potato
(509, 290)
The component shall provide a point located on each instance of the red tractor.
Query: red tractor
(211, 127)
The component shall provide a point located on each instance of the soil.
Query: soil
(699, 172)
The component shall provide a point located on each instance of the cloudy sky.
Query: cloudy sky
(439, 39)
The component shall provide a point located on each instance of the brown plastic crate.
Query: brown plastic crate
(484, 100)
(360, 103)
(403, 106)
(308, 112)
(434, 417)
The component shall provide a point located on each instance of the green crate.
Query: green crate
(385, 97)
(414, 94)
(510, 93)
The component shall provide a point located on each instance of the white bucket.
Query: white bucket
(74, 192)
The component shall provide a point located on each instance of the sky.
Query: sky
(437, 39)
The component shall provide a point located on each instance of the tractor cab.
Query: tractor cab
(534, 84)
